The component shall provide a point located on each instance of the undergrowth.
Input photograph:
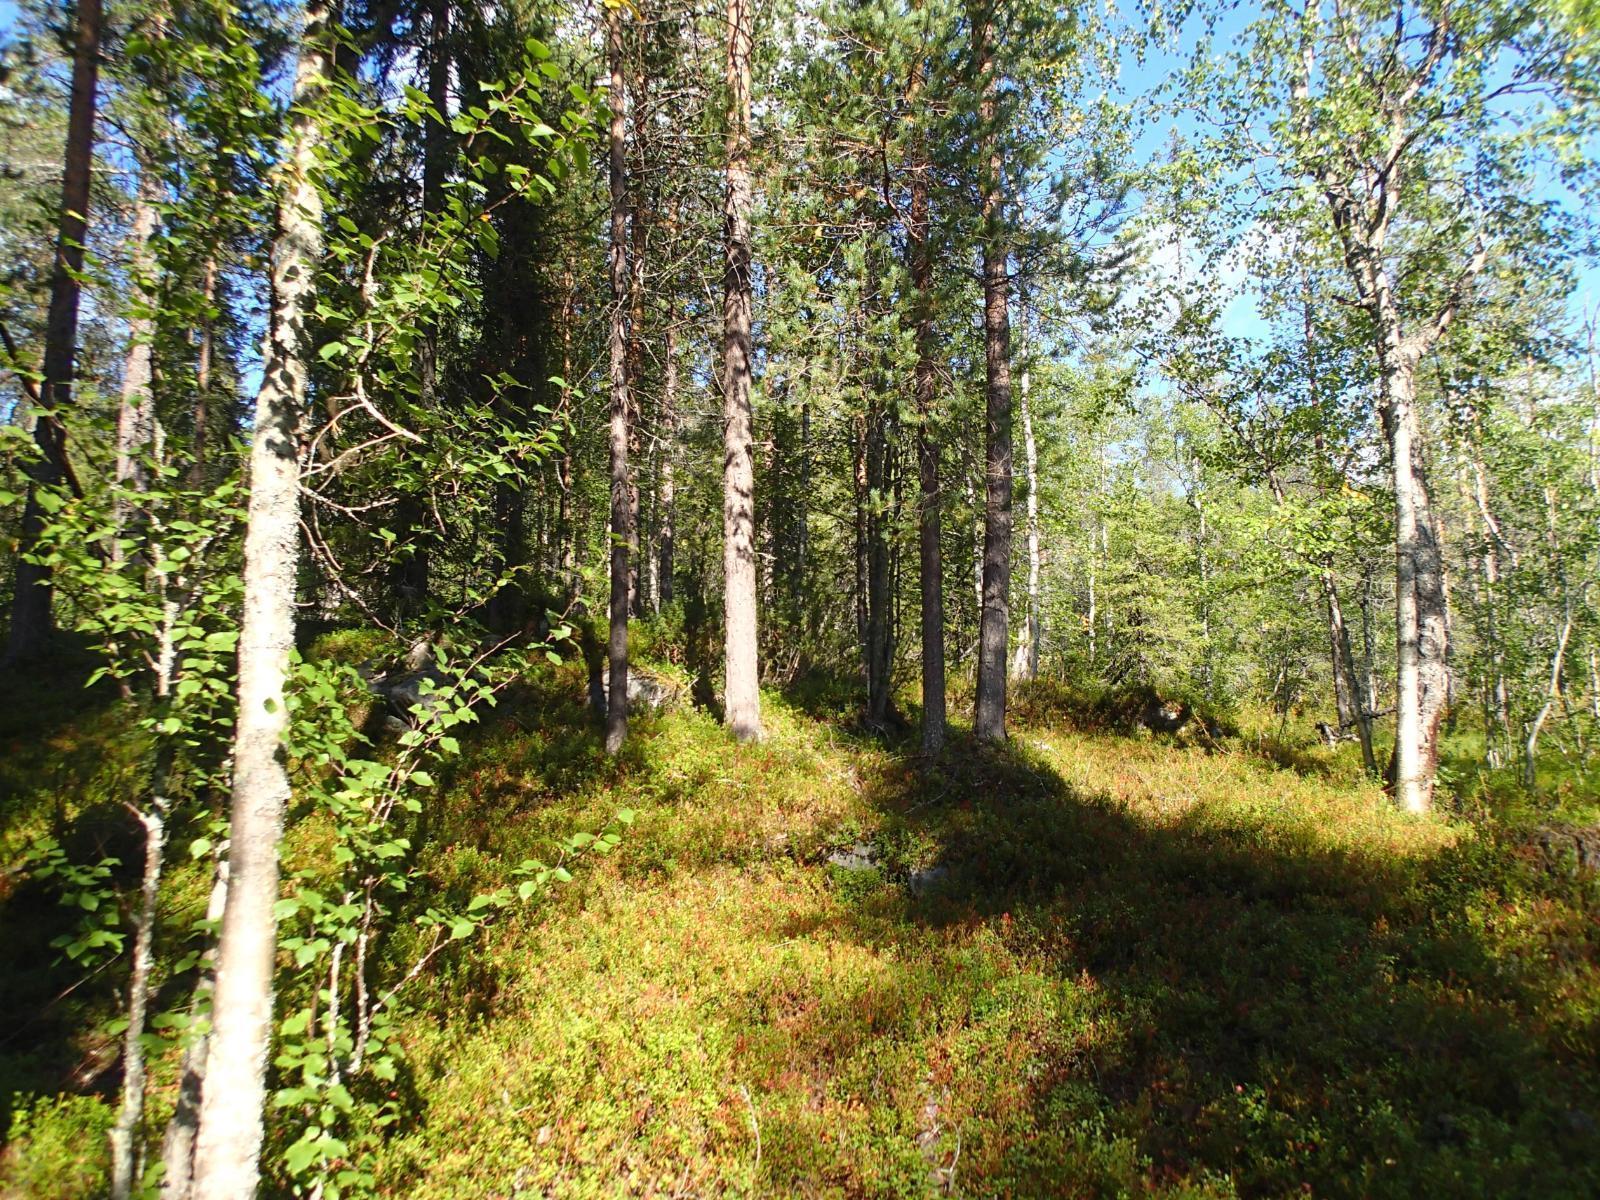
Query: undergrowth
(1094, 962)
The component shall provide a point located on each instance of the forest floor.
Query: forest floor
(1088, 963)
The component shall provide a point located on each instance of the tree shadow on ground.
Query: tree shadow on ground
(1222, 999)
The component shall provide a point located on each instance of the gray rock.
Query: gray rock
(1561, 845)
(927, 879)
(647, 693)
(863, 856)
(406, 690)
(1163, 716)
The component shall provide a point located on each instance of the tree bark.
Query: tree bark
(639, 226)
(123, 1134)
(879, 651)
(1558, 658)
(566, 530)
(1026, 665)
(929, 509)
(32, 628)
(1497, 726)
(177, 1143)
(199, 443)
(667, 482)
(228, 1144)
(989, 720)
(1349, 697)
(1421, 622)
(410, 573)
(621, 405)
(742, 697)
(135, 408)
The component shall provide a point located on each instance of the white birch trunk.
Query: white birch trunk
(742, 696)
(233, 1099)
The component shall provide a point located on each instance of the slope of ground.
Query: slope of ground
(1086, 964)
(1089, 963)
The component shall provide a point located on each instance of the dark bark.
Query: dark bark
(32, 628)
(409, 578)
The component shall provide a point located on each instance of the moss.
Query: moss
(1130, 967)
(56, 1149)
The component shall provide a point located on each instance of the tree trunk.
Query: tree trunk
(858, 449)
(410, 573)
(1349, 699)
(929, 532)
(32, 628)
(875, 500)
(621, 405)
(1026, 665)
(566, 531)
(1558, 658)
(198, 445)
(228, 1144)
(1421, 631)
(667, 482)
(123, 1134)
(742, 699)
(177, 1143)
(639, 226)
(989, 720)
(1203, 572)
(1498, 724)
(136, 407)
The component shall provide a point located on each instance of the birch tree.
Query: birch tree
(1387, 130)
(228, 1140)
(742, 698)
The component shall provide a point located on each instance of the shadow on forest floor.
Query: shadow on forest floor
(1282, 1009)
(1083, 963)
(1077, 964)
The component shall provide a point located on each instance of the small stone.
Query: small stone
(863, 856)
